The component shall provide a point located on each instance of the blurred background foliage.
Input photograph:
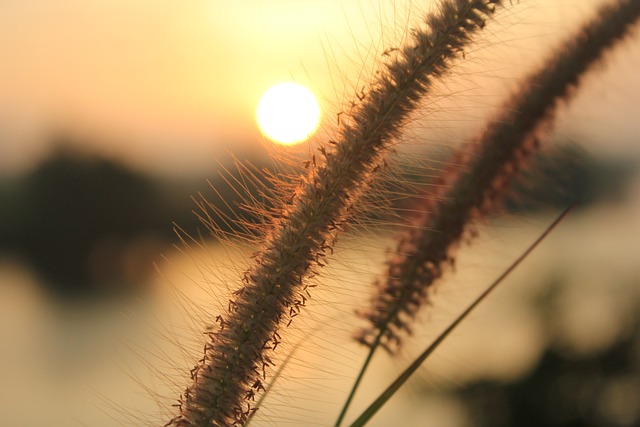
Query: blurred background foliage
(565, 390)
(91, 226)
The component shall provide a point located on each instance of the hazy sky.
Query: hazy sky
(170, 85)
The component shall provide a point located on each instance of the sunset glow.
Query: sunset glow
(288, 113)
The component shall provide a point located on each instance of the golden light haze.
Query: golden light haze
(170, 85)
(180, 79)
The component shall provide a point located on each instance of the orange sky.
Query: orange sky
(170, 85)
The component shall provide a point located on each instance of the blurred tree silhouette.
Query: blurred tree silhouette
(73, 217)
(565, 174)
(90, 226)
(596, 388)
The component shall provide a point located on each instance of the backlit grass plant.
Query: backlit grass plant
(237, 364)
(467, 193)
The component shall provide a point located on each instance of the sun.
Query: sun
(288, 113)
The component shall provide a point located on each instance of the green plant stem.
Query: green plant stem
(395, 386)
(359, 378)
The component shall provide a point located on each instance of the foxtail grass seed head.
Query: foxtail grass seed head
(239, 354)
(470, 192)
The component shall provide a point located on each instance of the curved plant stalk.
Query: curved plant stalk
(239, 354)
(406, 374)
(504, 146)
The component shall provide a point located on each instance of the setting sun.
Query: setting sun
(288, 113)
